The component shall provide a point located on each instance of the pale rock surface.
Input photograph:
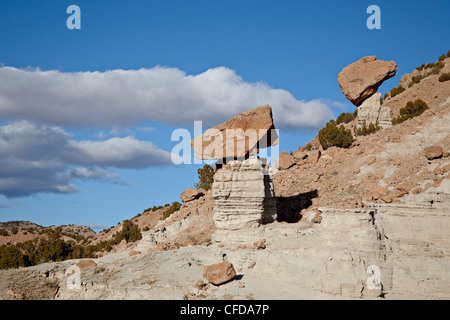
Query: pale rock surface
(371, 111)
(244, 197)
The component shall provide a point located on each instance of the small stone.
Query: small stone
(134, 253)
(85, 264)
(191, 194)
(260, 244)
(433, 152)
(317, 218)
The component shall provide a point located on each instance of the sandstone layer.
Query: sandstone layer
(244, 197)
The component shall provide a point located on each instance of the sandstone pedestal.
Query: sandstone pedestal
(244, 199)
(371, 111)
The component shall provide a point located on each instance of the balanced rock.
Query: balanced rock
(361, 79)
(244, 135)
(191, 194)
(219, 273)
(243, 196)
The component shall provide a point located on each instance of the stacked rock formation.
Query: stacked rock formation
(242, 189)
(244, 196)
(359, 82)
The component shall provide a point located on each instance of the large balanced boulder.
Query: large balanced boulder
(361, 79)
(244, 135)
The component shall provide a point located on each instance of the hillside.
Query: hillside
(14, 232)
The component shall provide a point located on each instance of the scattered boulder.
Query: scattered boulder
(134, 253)
(314, 156)
(300, 155)
(433, 152)
(317, 217)
(191, 194)
(219, 273)
(285, 161)
(260, 244)
(361, 79)
(371, 111)
(86, 264)
(244, 135)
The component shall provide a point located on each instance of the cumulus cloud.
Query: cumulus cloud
(127, 97)
(42, 158)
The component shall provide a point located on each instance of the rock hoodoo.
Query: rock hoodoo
(361, 79)
(242, 189)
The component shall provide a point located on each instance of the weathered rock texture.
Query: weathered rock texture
(371, 111)
(361, 79)
(244, 196)
(244, 135)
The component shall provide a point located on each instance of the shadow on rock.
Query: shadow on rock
(289, 208)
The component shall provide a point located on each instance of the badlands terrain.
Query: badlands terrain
(370, 221)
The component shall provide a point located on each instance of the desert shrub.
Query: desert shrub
(12, 257)
(344, 117)
(308, 147)
(397, 90)
(429, 65)
(4, 233)
(334, 135)
(175, 206)
(442, 57)
(130, 232)
(365, 130)
(444, 77)
(205, 177)
(437, 67)
(146, 228)
(448, 54)
(420, 68)
(411, 110)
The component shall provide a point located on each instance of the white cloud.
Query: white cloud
(41, 158)
(127, 97)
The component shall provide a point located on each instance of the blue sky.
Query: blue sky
(86, 116)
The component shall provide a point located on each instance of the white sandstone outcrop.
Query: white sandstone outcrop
(371, 111)
(244, 196)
